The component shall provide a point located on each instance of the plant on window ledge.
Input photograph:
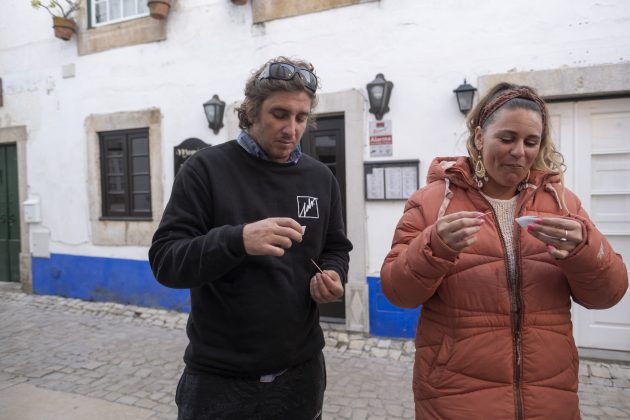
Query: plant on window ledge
(159, 8)
(63, 24)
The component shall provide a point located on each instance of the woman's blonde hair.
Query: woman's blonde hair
(509, 96)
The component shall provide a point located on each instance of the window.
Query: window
(124, 230)
(112, 11)
(125, 174)
(265, 10)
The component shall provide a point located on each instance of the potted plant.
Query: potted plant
(63, 24)
(159, 8)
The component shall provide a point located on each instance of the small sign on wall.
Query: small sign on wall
(391, 180)
(380, 138)
(185, 150)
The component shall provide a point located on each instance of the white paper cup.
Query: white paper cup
(524, 221)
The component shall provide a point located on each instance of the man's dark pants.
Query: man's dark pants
(296, 394)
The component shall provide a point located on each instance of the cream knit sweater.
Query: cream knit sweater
(505, 209)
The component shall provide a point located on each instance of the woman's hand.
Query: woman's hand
(561, 235)
(458, 230)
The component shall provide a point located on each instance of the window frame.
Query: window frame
(126, 136)
(91, 13)
(136, 31)
(265, 10)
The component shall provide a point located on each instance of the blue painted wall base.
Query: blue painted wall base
(387, 320)
(105, 280)
(131, 282)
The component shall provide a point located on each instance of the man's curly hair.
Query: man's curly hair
(256, 91)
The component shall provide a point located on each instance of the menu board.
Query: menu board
(391, 180)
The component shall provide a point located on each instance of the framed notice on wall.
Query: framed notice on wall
(391, 180)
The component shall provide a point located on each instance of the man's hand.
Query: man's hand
(326, 286)
(271, 236)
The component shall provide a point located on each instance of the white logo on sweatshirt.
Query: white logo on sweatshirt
(307, 207)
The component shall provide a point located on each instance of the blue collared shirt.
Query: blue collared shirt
(253, 148)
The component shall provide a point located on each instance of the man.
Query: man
(246, 226)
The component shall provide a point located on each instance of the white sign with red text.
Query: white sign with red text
(380, 138)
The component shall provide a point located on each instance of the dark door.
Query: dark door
(9, 216)
(326, 143)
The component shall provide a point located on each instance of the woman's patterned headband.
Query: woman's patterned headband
(500, 100)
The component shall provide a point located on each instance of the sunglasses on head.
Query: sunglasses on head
(286, 71)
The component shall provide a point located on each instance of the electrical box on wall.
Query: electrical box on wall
(32, 210)
(40, 243)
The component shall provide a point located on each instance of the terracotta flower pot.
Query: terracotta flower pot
(64, 27)
(159, 8)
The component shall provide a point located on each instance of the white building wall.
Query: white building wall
(426, 48)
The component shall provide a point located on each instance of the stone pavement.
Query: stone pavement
(69, 359)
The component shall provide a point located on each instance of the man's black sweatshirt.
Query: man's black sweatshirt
(250, 315)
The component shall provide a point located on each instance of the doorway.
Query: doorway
(326, 143)
(9, 215)
(594, 138)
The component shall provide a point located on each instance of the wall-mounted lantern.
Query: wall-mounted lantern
(379, 91)
(465, 94)
(214, 113)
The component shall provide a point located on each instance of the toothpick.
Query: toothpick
(315, 264)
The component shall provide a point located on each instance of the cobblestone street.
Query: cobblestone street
(125, 361)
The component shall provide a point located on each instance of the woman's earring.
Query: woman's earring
(523, 184)
(480, 172)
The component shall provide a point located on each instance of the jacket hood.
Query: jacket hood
(458, 170)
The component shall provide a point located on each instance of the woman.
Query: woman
(494, 338)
